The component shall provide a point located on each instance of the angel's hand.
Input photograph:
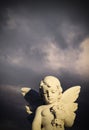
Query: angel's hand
(58, 111)
(57, 122)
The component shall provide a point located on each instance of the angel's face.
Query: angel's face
(50, 94)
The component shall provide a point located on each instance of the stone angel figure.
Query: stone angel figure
(52, 109)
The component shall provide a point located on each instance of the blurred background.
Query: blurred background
(39, 38)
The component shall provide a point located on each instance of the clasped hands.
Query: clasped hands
(59, 115)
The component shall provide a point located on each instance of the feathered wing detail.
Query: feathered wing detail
(33, 99)
(28, 110)
(71, 94)
(68, 104)
(25, 90)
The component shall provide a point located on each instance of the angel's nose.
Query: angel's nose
(49, 94)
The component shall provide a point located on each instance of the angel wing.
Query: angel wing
(33, 99)
(68, 104)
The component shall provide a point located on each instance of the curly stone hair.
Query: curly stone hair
(50, 81)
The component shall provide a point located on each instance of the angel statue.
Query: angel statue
(51, 108)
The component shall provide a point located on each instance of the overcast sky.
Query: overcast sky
(38, 39)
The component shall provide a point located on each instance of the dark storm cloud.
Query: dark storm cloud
(40, 35)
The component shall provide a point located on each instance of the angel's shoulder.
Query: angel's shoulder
(40, 108)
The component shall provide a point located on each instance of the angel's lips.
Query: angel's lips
(51, 100)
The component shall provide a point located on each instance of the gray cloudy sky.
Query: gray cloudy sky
(38, 39)
(43, 41)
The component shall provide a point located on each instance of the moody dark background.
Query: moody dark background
(39, 38)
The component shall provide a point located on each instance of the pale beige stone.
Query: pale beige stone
(59, 109)
(28, 110)
(24, 90)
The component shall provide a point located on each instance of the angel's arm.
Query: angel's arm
(36, 124)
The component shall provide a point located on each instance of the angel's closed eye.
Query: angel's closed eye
(54, 91)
